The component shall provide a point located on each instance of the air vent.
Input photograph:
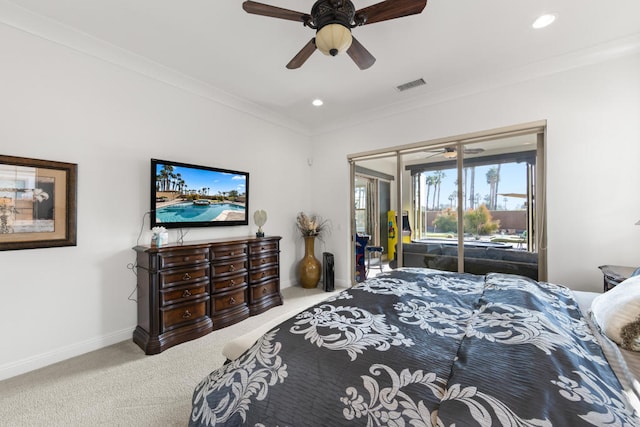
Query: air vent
(411, 85)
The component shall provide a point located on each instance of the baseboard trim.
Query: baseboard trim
(42, 360)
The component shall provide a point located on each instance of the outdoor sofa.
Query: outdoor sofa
(479, 259)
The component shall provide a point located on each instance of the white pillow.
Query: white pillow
(617, 313)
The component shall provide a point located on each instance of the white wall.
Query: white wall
(59, 104)
(64, 104)
(593, 151)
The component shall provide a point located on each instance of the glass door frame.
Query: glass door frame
(537, 214)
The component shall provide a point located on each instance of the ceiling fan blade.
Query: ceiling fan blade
(360, 55)
(473, 150)
(390, 9)
(433, 155)
(302, 56)
(274, 12)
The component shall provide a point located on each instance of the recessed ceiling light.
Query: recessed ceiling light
(317, 102)
(544, 20)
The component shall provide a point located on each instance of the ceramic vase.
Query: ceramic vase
(309, 266)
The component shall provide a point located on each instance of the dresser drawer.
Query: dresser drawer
(263, 274)
(183, 276)
(179, 315)
(180, 257)
(229, 267)
(263, 247)
(180, 294)
(224, 252)
(229, 300)
(264, 290)
(263, 261)
(229, 281)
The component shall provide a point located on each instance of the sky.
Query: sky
(215, 181)
(513, 179)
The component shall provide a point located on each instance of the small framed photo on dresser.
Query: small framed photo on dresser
(38, 203)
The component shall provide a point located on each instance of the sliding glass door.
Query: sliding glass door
(373, 194)
(469, 204)
(494, 197)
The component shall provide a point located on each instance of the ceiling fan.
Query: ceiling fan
(450, 152)
(333, 21)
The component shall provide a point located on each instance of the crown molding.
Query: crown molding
(36, 25)
(26, 21)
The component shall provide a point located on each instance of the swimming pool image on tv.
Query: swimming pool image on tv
(189, 212)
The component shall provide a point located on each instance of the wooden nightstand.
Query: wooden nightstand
(614, 274)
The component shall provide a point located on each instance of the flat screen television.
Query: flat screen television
(185, 195)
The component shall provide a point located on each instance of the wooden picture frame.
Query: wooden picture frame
(38, 203)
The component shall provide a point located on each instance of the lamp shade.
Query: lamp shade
(333, 39)
(260, 217)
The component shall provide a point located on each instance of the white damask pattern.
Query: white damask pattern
(245, 378)
(435, 317)
(550, 294)
(456, 284)
(509, 324)
(393, 286)
(591, 389)
(494, 322)
(392, 406)
(351, 329)
(421, 285)
(340, 296)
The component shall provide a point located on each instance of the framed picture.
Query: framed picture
(37, 203)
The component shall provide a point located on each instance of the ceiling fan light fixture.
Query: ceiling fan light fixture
(333, 39)
(333, 20)
(450, 153)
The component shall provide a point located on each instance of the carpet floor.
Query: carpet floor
(120, 386)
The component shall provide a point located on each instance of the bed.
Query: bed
(420, 347)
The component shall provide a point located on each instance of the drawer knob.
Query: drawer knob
(232, 267)
(186, 315)
(231, 253)
(264, 291)
(186, 276)
(232, 300)
(185, 259)
(262, 248)
(262, 261)
(264, 273)
(233, 282)
(186, 293)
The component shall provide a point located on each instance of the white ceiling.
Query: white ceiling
(457, 46)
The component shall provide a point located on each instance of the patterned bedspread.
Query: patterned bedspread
(418, 347)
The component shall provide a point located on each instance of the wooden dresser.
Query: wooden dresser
(186, 291)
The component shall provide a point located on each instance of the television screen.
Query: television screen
(184, 195)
